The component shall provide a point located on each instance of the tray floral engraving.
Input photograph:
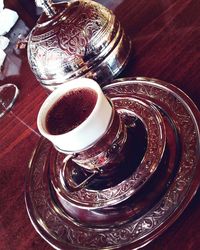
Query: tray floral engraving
(62, 231)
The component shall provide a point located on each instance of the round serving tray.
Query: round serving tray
(63, 232)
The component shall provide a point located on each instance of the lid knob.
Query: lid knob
(47, 6)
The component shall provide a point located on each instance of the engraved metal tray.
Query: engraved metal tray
(131, 110)
(155, 206)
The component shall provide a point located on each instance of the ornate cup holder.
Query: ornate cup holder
(150, 189)
(134, 171)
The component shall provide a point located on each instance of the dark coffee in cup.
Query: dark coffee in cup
(70, 110)
(76, 117)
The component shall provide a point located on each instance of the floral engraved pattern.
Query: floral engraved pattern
(68, 39)
(155, 148)
(75, 35)
(62, 232)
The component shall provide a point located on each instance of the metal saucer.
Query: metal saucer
(139, 170)
(154, 207)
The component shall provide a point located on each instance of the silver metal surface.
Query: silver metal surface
(148, 214)
(82, 39)
(8, 95)
(93, 199)
(47, 7)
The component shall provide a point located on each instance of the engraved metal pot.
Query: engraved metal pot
(76, 39)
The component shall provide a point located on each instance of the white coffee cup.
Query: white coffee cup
(90, 130)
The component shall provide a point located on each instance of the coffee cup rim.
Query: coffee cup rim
(56, 95)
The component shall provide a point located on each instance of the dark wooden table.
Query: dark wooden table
(166, 43)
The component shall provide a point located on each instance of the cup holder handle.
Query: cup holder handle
(67, 179)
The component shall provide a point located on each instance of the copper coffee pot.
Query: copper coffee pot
(74, 39)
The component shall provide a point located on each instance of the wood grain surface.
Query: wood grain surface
(166, 45)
